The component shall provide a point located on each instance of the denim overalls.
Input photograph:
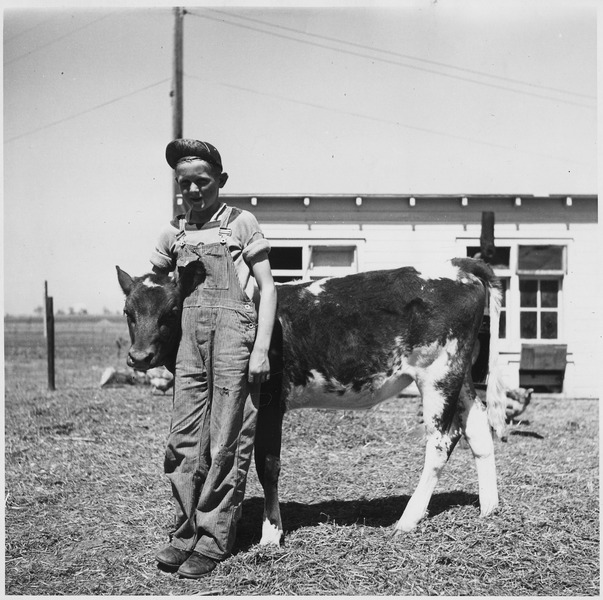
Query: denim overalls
(213, 420)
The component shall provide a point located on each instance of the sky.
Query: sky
(417, 97)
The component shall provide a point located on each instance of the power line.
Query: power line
(385, 121)
(88, 110)
(392, 62)
(24, 31)
(405, 56)
(58, 39)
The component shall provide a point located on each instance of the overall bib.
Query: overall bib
(214, 413)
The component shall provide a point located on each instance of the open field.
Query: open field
(87, 503)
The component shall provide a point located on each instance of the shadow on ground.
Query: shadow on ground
(531, 434)
(378, 512)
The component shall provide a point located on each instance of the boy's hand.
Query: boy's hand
(259, 366)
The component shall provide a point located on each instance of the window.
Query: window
(540, 269)
(286, 263)
(306, 261)
(539, 308)
(327, 261)
(541, 259)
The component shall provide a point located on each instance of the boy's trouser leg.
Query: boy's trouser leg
(187, 455)
(232, 433)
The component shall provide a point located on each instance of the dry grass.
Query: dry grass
(87, 504)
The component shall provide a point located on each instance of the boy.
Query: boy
(222, 358)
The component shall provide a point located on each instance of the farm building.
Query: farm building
(545, 248)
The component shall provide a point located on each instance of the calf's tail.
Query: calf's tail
(495, 389)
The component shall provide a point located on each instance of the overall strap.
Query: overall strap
(217, 216)
(181, 231)
(225, 218)
(225, 231)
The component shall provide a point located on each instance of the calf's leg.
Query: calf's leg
(475, 426)
(442, 430)
(267, 458)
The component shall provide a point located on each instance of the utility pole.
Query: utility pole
(176, 95)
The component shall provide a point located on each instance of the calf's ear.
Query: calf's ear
(125, 281)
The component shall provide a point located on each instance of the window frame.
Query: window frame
(561, 272)
(307, 245)
(315, 273)
(538, 309)
(542, 275)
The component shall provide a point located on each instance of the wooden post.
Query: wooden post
(44, 307)
(177, 102)
(486, 240)
(479, 371)
(49, 318)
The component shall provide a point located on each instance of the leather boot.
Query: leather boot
(196, 566)
(171, 557)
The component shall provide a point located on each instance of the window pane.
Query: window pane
(282, 257)
(532, 258)
(548, 325)
(527, 325)
(502, 325)
(333, 256)
(501, 259)
(549, 290)
(528, 289)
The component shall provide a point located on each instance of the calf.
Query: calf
(353, 342)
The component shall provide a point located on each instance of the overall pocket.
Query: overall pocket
(191, 271)
(216, 269)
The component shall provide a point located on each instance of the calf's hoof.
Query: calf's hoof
(271, 534)
(487, 510)
(403, 527)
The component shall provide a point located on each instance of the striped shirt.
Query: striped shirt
(246, 243)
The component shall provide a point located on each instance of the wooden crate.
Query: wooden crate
(542, 367)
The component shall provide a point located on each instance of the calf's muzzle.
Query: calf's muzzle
(141, 360)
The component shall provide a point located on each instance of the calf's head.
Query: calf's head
(153, 307)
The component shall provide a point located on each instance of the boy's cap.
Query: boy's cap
(185, 148)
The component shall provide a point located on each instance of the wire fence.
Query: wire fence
(24, 336)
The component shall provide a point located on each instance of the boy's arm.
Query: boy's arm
(163, 258)
(259, 365)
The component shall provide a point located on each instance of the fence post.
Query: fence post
(49, 318)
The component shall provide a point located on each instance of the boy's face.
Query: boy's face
(200, 183)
